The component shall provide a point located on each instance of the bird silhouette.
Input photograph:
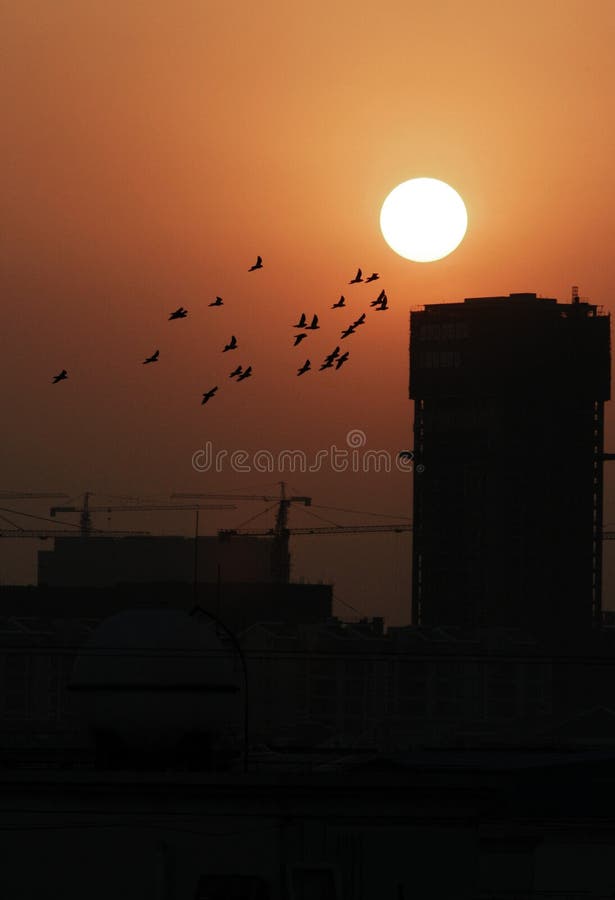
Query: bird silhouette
(301, 322)
(180, 313)
(232, 345)
(60, 377)
(257, 265)
(340, 362)
(236, 371)
(304, 368)
(341, 302)
(217, 302)
(359, 321)
(208, 395)
(152, 358)
(246, 374)
(383, 305)
(299, 338)
(314, 324)
(357, 277)
(373, 277)
(333, 354)
(350, 330)
(328, 363)
(382, 297)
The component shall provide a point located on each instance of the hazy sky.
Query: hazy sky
(151, 150)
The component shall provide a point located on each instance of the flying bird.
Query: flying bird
(357, 277)
(383, 305)
(340, 362)
(299, 338)
(301, 322)
(60, 377)
(314, 324)
(236, 371)
(304, 368)
(208, 395)
(217, 302)
(328, 363)
(350, 330)
(245, 374)
(152, 358)
(333, 354)
(180, 313)
(373, 277)
(341, 302)
(381, 298)
(359, 321)
(232, 345)
(257, 265)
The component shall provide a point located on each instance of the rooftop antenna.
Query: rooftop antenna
(575, 293)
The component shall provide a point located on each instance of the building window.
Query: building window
(439, 359)
(446, 331)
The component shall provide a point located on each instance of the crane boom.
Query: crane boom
(43, 533)
(85, 511)
(326, 529)
(30, 495)
(142, 508)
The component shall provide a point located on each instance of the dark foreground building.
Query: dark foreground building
(438, 826)
(508, 434)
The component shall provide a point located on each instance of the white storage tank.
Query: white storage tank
(156, 681)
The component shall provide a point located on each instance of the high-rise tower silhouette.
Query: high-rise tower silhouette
(508, 437)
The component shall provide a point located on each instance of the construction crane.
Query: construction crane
(85, 511)
(17, 531)
(280, 555)
(283, 539)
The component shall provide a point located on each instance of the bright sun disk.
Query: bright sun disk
(423, 219)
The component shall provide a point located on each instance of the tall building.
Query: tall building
(508, 435)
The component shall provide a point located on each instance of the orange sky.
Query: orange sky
(151, 149)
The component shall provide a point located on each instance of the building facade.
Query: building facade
(509, 399)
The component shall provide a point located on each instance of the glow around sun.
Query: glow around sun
(423, 219)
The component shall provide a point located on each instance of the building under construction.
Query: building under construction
(108, 561)
(508, 437)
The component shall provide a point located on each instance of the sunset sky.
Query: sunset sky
(152, 149)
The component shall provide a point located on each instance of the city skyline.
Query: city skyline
(153, 154)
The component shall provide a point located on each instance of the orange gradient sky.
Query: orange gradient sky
(152, 149)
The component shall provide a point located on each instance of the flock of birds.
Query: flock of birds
(335, 359)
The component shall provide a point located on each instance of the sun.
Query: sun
(423, 219)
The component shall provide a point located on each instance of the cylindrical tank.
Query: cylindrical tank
(157, 681)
